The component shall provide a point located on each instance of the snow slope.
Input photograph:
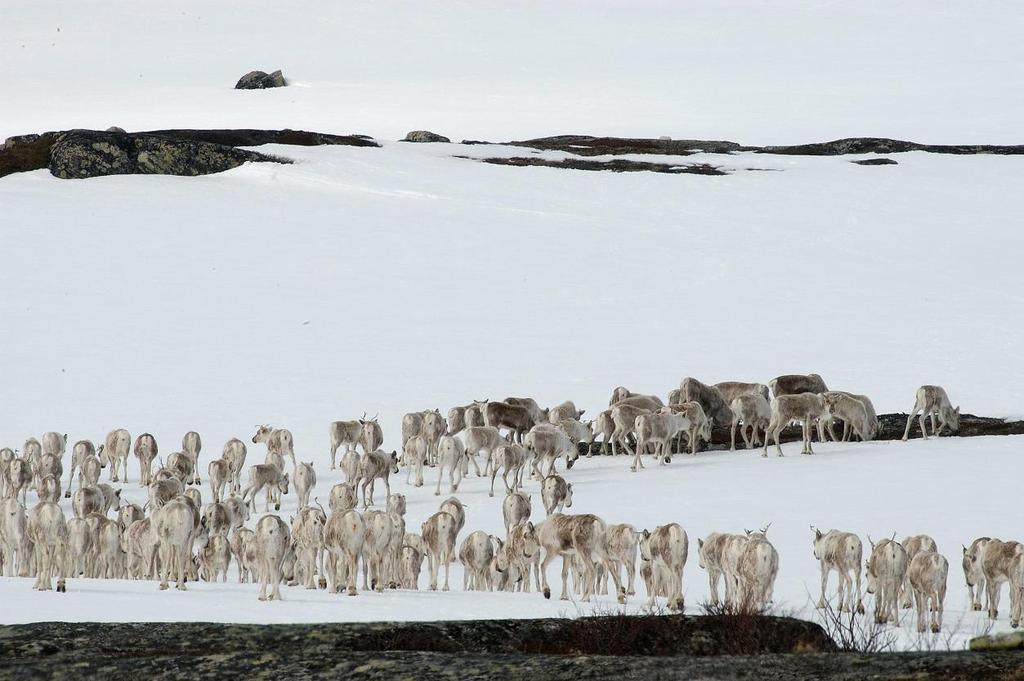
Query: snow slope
(402, 278)
(757, 72)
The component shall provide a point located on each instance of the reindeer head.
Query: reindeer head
(645, 544)
(262, 434)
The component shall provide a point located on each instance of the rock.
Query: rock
(25, 152)
(875, 162)
(1008, 641)
(88, 153)
(425, 136)
(260, 80)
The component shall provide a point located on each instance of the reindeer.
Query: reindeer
(376, 465)
(805, 407)
(933, 401)
(843, 553)
(278, 440)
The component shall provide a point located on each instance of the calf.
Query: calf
(623, 547)
(523, 552)
(279, 441)
(604, 426)
(566, 411)
(933, 401)
(19, 477)
(795, 384)
(927, 575)
(372, 437)
(411, 566)
(511, 459)
(624, 418)
(439, 532)
(87, 500)
(482, 440)
(191, 445)
(265, 476)
(476, 554)
(415, 456)
(841, 552)
(851, 411)
(555, 493)
(343, 498)
(219, 472)
(666, 548)
(432, 430)
(515, 509)
(115, 448)
(234, 453)
(346, 433)
(973, 574)
(755, 413)
(145, 451)
(914, 545)
(412, 425)
(376, 465)
(453, 507)
(805, 408)
(81, 450)
(659, 429)
(886, 571)
(305, 480)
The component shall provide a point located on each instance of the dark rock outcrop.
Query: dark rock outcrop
(33, 152)
(26, 152)
(87, 153)
(617, 165)
(260, 80)
(875, 162)
(585, 145)
(425, 136)
(443, 650)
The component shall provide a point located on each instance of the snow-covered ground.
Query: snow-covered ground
(758, 72)
(401, 278)
(875, 489)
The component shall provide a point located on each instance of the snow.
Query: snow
(755, 72)
(401, 278)
(875, 489)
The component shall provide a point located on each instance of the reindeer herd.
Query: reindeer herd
(175, 537)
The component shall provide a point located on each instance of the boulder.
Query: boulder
(89, 153)
(425, 136)
(260, 80)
